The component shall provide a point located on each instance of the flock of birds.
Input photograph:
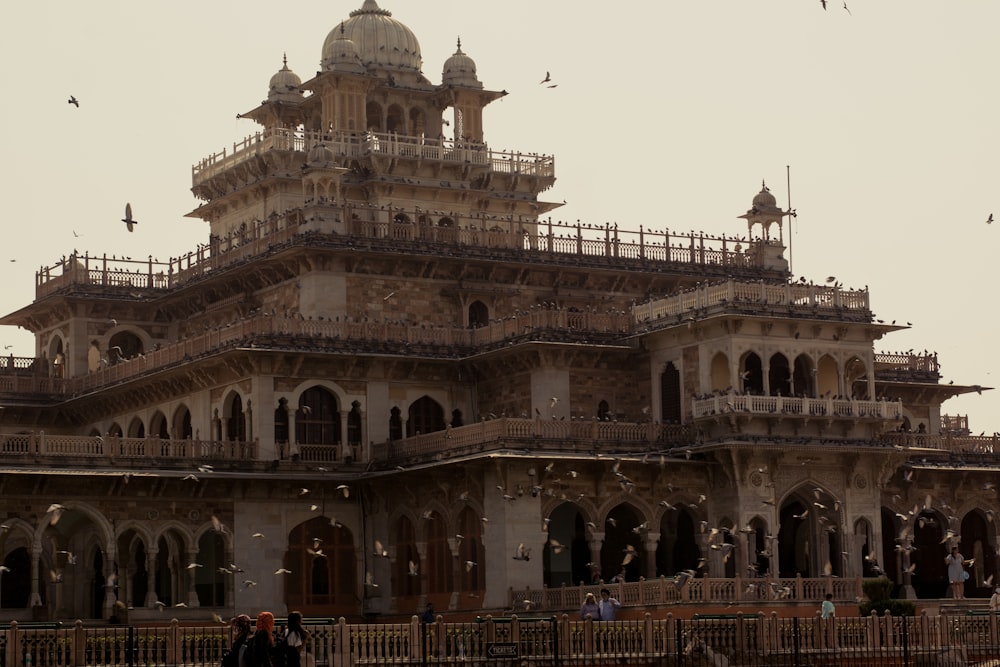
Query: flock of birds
(824, 507)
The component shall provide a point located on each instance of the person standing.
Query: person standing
(956, 573)
(827, 610)
(295, 639)
(258, 653)
(589, 608)
(608, 606)
(428, 615)
(235, 657)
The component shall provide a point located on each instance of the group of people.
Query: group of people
(261, 647)
(604, 610)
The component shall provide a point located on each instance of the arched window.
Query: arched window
(603, 411)
(236, 425)
(479, 315)
(182, 423)
(373, 117)
(396, 119)
(354, 424)
(779, 376)
(406, 583)
(752, 375)
(281, 422)
(670, 394)
(322, 580)
(317, 421)
(425, 416)
(395, 423)
(438, 565)
(804, 377)
(158, 426)
(856, 379)
(15, 591)
(136, 429)
(123, 345)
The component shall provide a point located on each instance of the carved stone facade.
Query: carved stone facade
(384, 340)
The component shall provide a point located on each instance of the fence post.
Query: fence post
(648, 647)
(79, 644)
(564, 635)
(343, 653)
(13, 645)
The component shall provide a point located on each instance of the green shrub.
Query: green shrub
(878, 593)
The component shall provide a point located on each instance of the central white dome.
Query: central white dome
(382, 42)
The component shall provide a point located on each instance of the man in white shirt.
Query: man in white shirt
(608, 606)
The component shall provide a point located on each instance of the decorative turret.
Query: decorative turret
(285, 85)
(340, 54)
(764, 211)
(460, 70)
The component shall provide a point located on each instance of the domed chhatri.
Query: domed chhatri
(382, 41)
(285, 85)
(341, 54)
(460, 70)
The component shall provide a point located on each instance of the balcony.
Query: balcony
(579, 437)
(96, 452)
(907, 367)
(388, 144)
(820, 408)
(370, 229)
(754, 298)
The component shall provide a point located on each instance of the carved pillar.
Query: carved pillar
(345, 446)
(151, 573)
(595, 543)
(652, 541)
(456, 571)
(36, 598)
(110, 586)
(192, 595)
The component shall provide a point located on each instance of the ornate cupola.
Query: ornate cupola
(285, 85)
(460, 70)
(764, 211)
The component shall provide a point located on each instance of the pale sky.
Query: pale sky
(666, 114)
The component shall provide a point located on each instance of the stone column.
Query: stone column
(192, 595)
(456, 570)
(649, 567)
(595, 543)
(345, 446)
(150, 600)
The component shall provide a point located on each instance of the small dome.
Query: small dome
(764, 203)
(460, 70)
(341, 54)
(382, 41)
(285, 85)
(764, 199)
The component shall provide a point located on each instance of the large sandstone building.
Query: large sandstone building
(390, 377)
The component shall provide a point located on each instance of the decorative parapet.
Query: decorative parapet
(749, 404)
(754, 298)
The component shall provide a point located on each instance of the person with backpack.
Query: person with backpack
(294, 639)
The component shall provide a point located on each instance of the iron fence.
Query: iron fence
(749, 640)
